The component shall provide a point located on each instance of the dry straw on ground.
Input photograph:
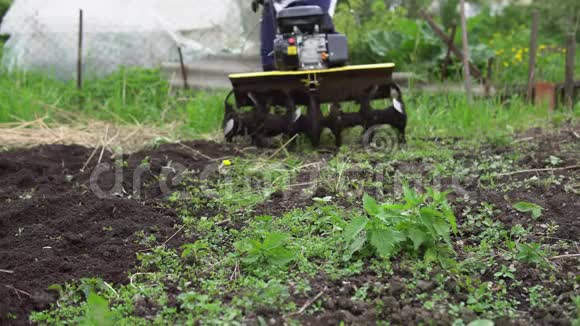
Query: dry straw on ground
(89, 133)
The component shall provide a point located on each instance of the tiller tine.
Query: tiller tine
(311, 89)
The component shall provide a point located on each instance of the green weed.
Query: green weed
(271, 250)
(422, 224)
(532, 253)
(198, 250)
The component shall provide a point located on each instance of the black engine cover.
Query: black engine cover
(299, 51)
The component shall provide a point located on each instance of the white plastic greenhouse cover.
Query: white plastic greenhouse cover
(44, 34)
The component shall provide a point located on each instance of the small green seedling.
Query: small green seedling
(506, 272)
(525, 207)
(197, 249)
(554, 160)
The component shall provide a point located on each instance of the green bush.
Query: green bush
(378, 33)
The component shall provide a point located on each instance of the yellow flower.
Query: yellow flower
(519, 56)
(506, 64)
(226, 162)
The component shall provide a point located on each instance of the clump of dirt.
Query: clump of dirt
(45, 170)
(55, 228)
(151, 174)
(296, 196)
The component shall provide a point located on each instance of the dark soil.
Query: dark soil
(55, 228)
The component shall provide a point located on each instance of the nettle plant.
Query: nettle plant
(422, 225)
(271, 250)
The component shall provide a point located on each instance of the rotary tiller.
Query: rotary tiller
(311, 61)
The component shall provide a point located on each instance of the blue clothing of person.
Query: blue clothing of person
(268, 26)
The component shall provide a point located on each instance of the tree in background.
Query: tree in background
(357, 18)
(414, 6)
(449, 13)
(560, 17)
(4, 6)
(385, 31)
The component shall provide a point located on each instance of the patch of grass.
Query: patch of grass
(452, 116)
(129, 96)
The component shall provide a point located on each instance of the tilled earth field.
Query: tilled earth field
(69, 215)
(54, 228)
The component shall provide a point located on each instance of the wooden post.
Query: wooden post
(533, 54)
(80, 53)
(441, 34)
(466, 60)
(570, 58)
(447, 60)
(183, 68)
